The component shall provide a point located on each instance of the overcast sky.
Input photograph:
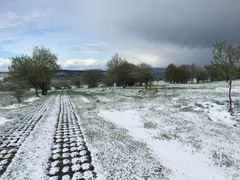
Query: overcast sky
(86, 33)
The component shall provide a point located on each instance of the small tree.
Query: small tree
(226, 59)
(144, 74)
(182, 74)
(23, 69)
(120, 71)
(45, 63)
(92, 78)
(124, 73)
(202, 74)
(171, 73)
(37, 70)
(76, 81)
(212, 72)
(115, 62)
(18, 93)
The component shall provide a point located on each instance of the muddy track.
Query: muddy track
(70, 157)
(11, 141)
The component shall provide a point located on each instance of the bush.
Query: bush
(18, 93)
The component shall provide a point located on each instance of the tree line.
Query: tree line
(191, 73)
(38, 69)
(225, 65)
(119, 73)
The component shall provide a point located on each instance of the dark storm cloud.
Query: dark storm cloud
(185, 22)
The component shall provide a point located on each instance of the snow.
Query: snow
(9, 106)
(192, 133)
(219, 114)
(30, 160)
(31, 99)
(3, 120)
(84, 99)
(175, 132)
(180, 159)
(13, 106)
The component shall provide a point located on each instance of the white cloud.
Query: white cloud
(12, 20)
(80, 64)
(4, 64)
(152, 58)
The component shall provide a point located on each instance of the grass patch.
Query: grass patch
(150, 125)
(222, 159)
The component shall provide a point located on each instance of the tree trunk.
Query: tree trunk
(42, 86)
(229, 95)
(146, 84)
(36, 92)
(43, 92)
(46, 88)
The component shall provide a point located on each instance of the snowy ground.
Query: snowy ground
(185, 128)
(176, 132)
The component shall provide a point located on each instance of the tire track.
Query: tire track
(70, 157)
(11, 142)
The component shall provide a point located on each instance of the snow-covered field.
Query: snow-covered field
(177, 132)
(186, 129)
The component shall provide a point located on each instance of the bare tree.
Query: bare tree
(226, 59)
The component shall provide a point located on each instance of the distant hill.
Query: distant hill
(69, 74)
(159, 72)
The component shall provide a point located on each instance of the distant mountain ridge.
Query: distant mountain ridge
(159, 72)
(69, 74)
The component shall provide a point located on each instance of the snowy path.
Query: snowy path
(70, 155)
(13, 140)
(48, 145)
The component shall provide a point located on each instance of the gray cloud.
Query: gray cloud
(152, 31)
(92, 48)
(79, 64)
(185, 22)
